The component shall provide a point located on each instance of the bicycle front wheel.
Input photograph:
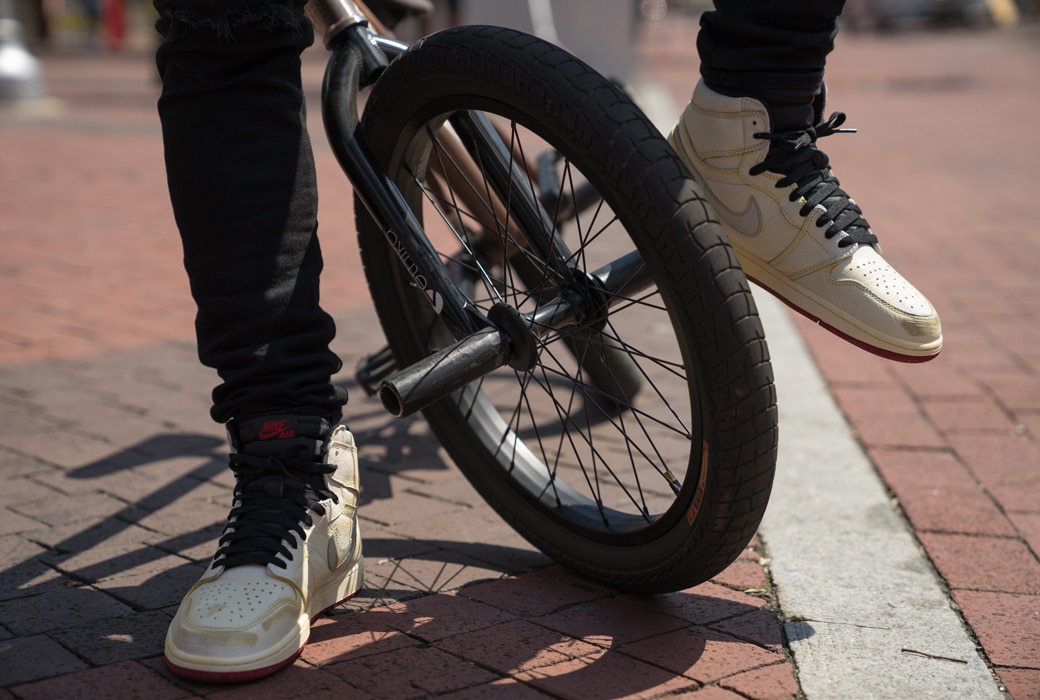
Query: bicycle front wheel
(639, 450)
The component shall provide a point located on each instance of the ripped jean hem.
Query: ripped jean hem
(223, 18)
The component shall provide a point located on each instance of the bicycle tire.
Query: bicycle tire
(668, 523)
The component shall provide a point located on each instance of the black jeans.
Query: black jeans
(242, 181)
(243, 188)
(771, 49)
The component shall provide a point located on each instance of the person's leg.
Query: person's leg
(243, 187)
(771, 50)
(242, 184)
(749, 135)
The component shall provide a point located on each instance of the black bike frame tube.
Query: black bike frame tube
(378, 192)
(391, 47)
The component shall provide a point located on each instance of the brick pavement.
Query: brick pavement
(114, 489)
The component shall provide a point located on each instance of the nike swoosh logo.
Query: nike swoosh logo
(336, 548)
(747, 222)
(332, 555)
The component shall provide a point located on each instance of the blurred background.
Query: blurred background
(585, 25)
(607, 33)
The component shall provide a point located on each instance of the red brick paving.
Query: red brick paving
(1008, 625)
(102, 529)
(939, 494)
(1021, 682)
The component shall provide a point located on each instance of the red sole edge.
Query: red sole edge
(886, 354)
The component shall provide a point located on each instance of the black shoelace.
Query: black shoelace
(794, 155)
(276, 495)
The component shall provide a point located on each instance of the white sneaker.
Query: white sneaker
(795, 232)
(291, 550)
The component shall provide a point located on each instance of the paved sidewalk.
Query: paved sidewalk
(114, 489)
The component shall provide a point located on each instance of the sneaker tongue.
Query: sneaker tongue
(282, 427)
(272, 435)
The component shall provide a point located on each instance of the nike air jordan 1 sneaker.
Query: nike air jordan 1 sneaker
(794, 230)
(290, 551)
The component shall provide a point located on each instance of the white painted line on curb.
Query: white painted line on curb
(867, 615)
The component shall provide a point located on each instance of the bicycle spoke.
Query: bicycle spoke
(600, 450)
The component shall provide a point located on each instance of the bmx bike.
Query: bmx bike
(556, 297)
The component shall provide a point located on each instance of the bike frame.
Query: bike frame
(359, 55)
(361, 48)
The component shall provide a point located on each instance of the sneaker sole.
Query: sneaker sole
(338, 592)
(822, 313)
